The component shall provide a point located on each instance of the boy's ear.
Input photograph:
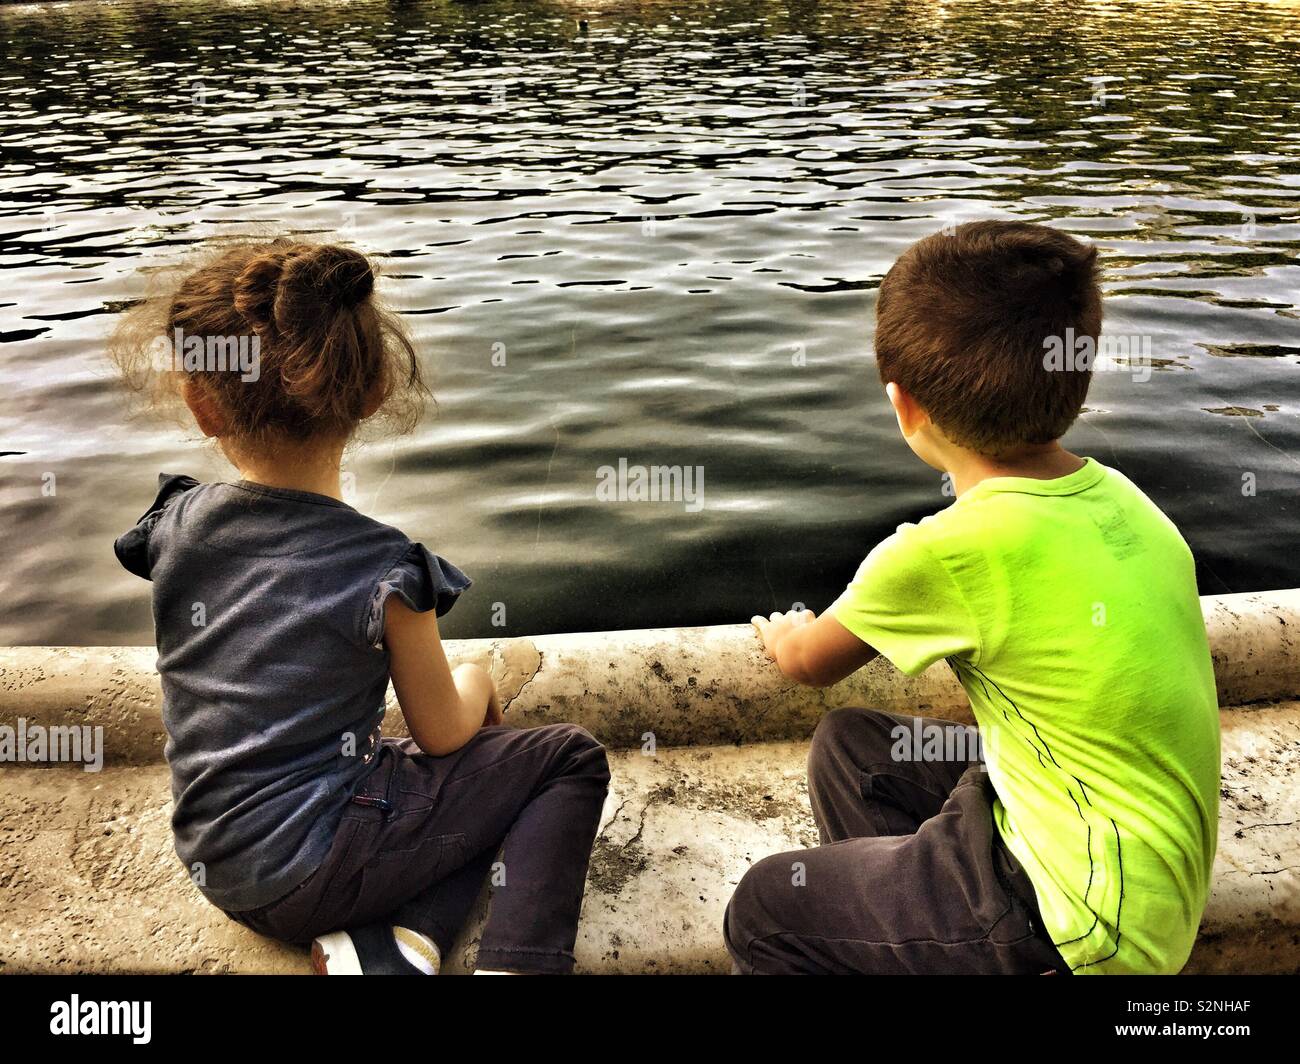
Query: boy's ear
(207, 415)
(911, 418)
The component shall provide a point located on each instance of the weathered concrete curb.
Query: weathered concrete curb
(687, 686)
(91, 883)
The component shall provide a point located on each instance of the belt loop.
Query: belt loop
(388, 784)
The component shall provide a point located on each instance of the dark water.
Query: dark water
(654, 218)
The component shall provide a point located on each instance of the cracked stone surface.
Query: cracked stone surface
(90, 883)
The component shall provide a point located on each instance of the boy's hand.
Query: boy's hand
(775, 628)
(812, 650)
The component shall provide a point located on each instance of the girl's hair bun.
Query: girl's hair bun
(287, 283)
(255, 287)
(328, 354)
(331, 274)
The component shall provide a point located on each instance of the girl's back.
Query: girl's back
(269, 609)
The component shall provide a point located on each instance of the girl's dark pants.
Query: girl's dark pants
(911, 876)
(423, 833)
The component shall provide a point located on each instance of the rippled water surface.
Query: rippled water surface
(673, 226)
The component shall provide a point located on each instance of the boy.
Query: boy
(1066, 604)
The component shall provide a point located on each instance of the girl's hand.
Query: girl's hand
(776, 627)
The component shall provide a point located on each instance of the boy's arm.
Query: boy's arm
(812, 650)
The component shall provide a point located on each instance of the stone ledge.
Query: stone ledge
(688, 686)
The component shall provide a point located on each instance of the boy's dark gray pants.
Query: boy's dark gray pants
(423, 833)
(911, 877)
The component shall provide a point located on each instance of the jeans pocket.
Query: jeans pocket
(414, 778)
(427, 858)
(899, 802)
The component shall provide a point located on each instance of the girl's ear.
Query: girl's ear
(207, 414)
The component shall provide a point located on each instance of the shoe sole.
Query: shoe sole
(335, 954)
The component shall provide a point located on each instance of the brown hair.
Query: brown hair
(963, 323)
(327, 351)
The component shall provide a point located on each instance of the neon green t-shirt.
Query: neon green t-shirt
(1068, 610)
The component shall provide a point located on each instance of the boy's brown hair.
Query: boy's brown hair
(330, 354)
(963, 323)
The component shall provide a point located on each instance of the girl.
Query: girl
(281, 613)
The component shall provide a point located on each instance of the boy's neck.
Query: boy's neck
(1047, 461)
(311, 467)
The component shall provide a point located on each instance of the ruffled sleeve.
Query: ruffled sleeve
(132, 547)
(422, 580)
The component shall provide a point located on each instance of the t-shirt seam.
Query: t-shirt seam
(333, 504)
(150, 520)
(373, 585)
(961, 594)
(993, 489)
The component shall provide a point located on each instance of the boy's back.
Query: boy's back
(1068, 609)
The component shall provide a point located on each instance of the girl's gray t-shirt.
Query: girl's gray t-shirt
(268, 608)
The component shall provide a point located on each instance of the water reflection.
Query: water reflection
(672, 226)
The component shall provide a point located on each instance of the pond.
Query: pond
(654, 238)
